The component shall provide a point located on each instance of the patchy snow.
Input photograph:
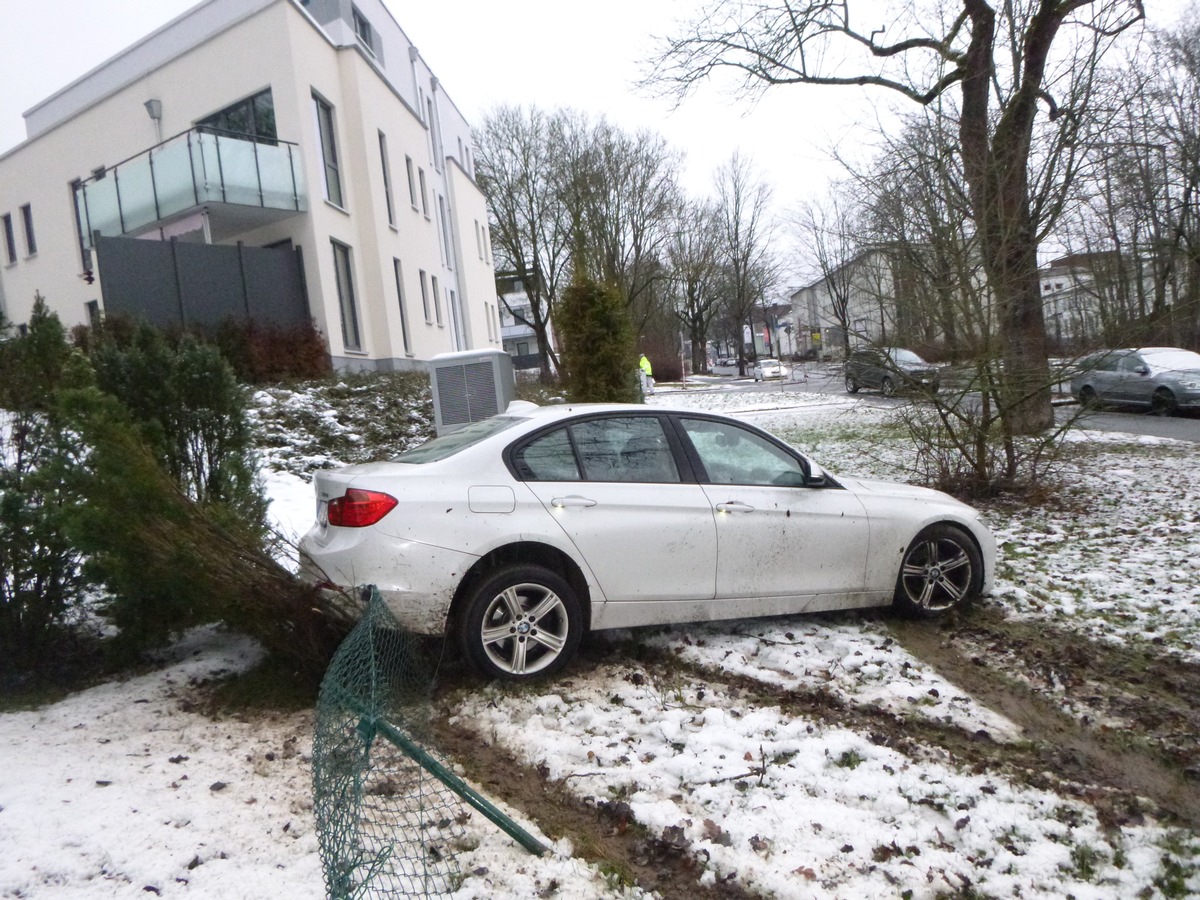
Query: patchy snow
(125, 789)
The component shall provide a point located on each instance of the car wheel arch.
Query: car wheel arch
(522, 552)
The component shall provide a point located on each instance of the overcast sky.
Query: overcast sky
(550, 53)
(544, 52)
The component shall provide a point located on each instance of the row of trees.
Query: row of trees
(570, 195)
(1118, 203)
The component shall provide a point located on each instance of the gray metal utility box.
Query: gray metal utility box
(470, 386)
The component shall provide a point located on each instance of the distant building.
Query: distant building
(273, 160)
(520, 340)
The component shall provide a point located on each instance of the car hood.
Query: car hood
(866, 486)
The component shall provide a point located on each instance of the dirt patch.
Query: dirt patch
(1121, 718)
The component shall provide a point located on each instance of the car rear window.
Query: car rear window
(447, 445)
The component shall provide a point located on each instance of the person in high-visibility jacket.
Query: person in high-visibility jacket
(647, 375)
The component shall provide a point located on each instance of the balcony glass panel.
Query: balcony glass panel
(239, 170)
(206, 152)
(282, 187)
(135, 185)
(103, 212)
(173, 177)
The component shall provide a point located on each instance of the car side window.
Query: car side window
(629, 449)
(1130, 363)
(733, 455)
(548, 458)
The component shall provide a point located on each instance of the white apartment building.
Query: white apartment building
(277, 160)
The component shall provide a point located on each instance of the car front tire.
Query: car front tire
(521, 622)
(1163, 402)
(851, 385)
(887, 387)
(942, 570)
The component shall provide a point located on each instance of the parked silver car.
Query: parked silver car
(1163, 379)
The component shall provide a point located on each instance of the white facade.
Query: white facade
(382, 162)
(852, 305)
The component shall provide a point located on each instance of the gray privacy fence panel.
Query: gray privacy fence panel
(172, 283)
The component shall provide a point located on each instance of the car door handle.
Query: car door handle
(735, 506)
(572, 501)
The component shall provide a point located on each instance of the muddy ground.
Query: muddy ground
(1115, 727)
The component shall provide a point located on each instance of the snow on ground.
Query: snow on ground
(124, 789)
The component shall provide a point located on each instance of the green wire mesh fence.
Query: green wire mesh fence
(390, 815)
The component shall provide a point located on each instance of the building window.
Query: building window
(27, 219)
(363, 31)
(412, 182)
(326, 133)
(425, 297)
(387, 178)
(437, 300)
(424, 192)
(404, 336)
(93, 314)
(10, 239)
(345, 288)
(253, 117)
(446, 231)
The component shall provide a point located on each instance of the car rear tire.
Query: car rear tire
(1088, 398)
(942, 570)
(887, 387)
(1163, 403)
(521, 622)
(851, 385)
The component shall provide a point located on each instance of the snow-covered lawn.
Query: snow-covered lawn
(125, 789)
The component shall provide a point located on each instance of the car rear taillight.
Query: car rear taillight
(358, 509)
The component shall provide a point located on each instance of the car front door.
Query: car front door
(776, 537)
(613, 484)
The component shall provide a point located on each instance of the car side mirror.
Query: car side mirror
(816, 480)
(1142, 370)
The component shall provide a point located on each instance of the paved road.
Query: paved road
(824, 379)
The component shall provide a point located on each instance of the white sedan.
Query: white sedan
(769, 368)
(519, 533)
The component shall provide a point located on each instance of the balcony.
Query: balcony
(242, 183)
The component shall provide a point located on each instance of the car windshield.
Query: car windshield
(768, 362)
(448, 444)
(1172, 359)
(904, 356)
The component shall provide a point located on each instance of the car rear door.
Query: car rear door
(613, 483)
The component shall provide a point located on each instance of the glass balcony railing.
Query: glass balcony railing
(198, 167)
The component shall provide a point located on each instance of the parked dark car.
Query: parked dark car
(1162, 379)
(889, 369)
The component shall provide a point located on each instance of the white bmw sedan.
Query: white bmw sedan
(519, 533)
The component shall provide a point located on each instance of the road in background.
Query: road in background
(822, 378)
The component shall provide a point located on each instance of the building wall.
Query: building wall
(276, 44)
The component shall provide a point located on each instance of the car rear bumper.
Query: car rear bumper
(416, 581)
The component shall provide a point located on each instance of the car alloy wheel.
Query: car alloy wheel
(887, 387)
(941, 570)
(851, 385)
(522, 621)
(1163, 403)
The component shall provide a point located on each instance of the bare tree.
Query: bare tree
(519, 171)
(999, 60)
(832, 240)
(624, 194)
(692, 257)
(743, 204)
